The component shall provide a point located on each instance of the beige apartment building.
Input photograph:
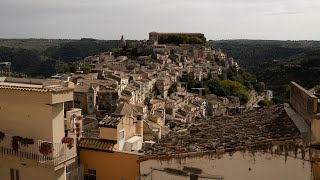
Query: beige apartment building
(34, 142)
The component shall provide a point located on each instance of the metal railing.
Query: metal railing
(60, 152)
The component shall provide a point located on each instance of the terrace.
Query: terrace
(50, 153)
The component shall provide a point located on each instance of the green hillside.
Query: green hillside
(43, 58)
(32, 44)
(303, 69)
(251, 54)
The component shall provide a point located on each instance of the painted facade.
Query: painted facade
(117, 165)
(31, 118)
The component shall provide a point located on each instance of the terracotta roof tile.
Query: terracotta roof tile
(97, 144)
(44, 90)
(253, 130)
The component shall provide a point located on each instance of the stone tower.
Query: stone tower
(123, 42)
(91, 101)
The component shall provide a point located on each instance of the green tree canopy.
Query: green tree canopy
(182, 39)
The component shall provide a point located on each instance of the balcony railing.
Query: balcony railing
(59, 154)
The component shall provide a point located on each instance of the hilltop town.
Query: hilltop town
(148, 87)
(170, 107)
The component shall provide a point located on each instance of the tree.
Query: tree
(85, 69)
(218, 87)
(265, 103)
(317, 89)
(260, 87)
(173, 88)
(69, 68)
(182, 39)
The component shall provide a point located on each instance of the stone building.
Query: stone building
(120, 139)
(123, 129)
(163, 85)
(269, 143)
(123, 42)
(265, 144)
(107, 100)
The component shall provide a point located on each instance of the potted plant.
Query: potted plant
(15, 142)
(69, 141)
(2, 136)
(77, 124)
(46, 148)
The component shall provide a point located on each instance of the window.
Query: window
(121, 135)
(91, 175)
(193, 177)
(14, 174)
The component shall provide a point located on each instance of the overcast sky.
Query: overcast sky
(108, 19)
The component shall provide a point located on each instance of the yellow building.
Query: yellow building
(126, 131)
(115, 153)
(102, 162)
(32, 129)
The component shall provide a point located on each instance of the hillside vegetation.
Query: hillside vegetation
(303, 69)
(43, 58)
(182, 39)
(252, 54)
(231, 83)
(32, 44)
(76, 50)
(276, 63)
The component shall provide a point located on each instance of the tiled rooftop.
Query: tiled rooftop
(97, 144)
(249, 131)
(35, 89)
(110, 121)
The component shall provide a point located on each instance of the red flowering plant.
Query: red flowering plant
(69, 141)
(45, 148)
(23, 141)
(2, 136)
(15, 142)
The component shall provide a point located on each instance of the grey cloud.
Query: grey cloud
(108, 19)
(285, 13)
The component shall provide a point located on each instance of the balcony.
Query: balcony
(54, 153)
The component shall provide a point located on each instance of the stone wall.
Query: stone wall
(231, 166)
(303, 102)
